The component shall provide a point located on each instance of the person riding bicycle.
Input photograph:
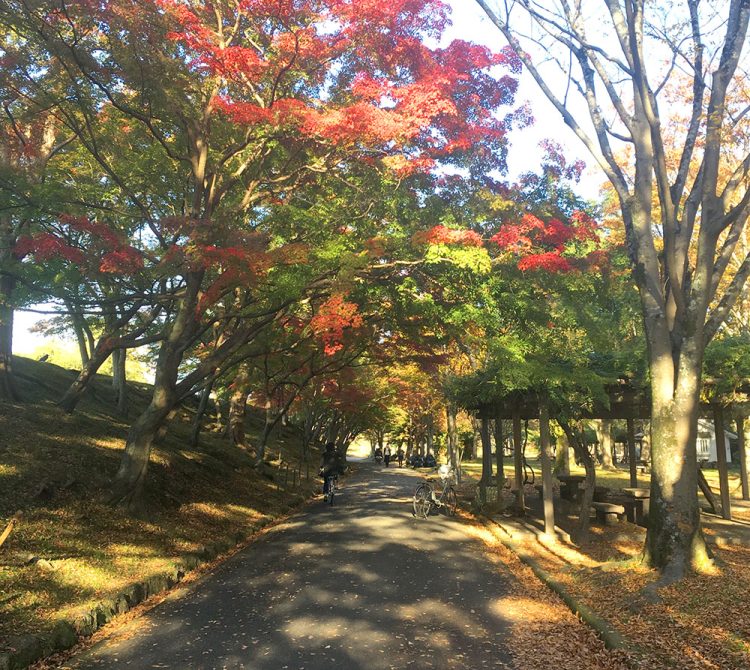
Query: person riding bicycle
(330, 465)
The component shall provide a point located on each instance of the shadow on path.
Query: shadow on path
(360, 585)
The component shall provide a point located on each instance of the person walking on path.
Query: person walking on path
(387, 455)
(400, 456)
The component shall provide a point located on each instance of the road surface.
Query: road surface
(360, 585)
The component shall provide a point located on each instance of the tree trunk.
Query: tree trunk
(7, 382)
(453, 454)
(604, 433)
(238, 406)
(120, 380)
(562, 457)
(576, 438)
(75, 391)
(195, 433)
(128, 484)
(430, 435)
(674, 541)
(80, 333)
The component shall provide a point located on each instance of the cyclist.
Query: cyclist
(330, 465)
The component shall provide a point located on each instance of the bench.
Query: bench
(608, 513)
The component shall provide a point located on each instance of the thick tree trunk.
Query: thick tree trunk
(238, 406)
(674, 542)
(128, 484)
(75, 391)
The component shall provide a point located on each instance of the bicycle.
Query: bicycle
(426, 497)
(329, 488)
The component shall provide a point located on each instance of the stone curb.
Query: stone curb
(27, 649)
(611, 637)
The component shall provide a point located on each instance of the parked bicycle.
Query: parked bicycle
(329, 488)
(428, 496)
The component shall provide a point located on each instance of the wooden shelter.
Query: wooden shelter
(625, 402)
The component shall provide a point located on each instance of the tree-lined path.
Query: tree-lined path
(359, 585)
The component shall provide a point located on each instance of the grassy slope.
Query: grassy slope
(196, 497)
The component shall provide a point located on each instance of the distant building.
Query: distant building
(705, 444)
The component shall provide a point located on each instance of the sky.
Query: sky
(469, 23)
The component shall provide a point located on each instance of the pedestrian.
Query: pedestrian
(400, 456)
(387, 455)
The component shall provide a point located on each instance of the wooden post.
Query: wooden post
(549, 508)
(744, 444)
(486, 451)
(721, 460)
(500, 470)
(518, 455)
(631, 454)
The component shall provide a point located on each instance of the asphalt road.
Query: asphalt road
(362, 584)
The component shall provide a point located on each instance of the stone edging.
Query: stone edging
(611, 637)
(27, 649)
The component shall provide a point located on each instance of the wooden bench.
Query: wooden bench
(608, 513)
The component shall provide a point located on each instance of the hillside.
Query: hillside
(71, 550)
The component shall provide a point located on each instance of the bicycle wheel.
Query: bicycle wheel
(450, 500)
(422, 501)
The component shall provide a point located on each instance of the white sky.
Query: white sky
(469, 23)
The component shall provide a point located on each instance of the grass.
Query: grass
(70, 549)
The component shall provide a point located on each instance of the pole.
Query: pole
(721, 460)
(518, 455)
(744, 443)
(631, 454)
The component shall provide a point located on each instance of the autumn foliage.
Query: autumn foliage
(333, 318)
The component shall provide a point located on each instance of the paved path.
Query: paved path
(362, 584)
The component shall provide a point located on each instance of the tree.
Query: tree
(239, 107)
(680, 249)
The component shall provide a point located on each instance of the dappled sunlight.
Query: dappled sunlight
(520, 610)
(80, 574)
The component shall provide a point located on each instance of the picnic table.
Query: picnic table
(570, 486)
(638, 504)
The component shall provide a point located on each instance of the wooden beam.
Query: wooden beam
(721, 460)
(518, 456)
(743, 444)
(631, 454)
(549, 508)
